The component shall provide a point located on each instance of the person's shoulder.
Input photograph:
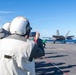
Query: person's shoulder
(40, 39)
(1, 30)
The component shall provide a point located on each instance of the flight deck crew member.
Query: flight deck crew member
(5, 30)
(18, 54)
(44, 42)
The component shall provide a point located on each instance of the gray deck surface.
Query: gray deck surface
(60, 59)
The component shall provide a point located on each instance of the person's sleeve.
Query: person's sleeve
(36, 53)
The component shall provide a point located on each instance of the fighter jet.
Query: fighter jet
(60, 38)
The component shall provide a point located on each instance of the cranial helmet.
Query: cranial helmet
(6, 26)
(20, 25)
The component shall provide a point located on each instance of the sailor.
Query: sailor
(5, 30)
(18, 54)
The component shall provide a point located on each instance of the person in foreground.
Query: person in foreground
(16, 53)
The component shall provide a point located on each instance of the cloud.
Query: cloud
(6, 12)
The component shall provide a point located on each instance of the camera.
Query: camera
(32, 34)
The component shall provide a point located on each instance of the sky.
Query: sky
(45, 16)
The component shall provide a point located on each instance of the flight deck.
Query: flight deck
(59, 59)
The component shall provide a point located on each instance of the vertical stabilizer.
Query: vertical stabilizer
(67, 34)
(58, 33)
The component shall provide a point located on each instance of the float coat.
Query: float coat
(14, 56)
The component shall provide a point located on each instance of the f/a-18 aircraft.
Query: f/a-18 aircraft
(60, 38)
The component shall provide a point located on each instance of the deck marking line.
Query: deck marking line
(47, 60)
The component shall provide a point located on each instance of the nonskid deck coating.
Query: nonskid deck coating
(60, 59)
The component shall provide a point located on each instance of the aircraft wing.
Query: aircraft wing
(70, 37)
(58, 37)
